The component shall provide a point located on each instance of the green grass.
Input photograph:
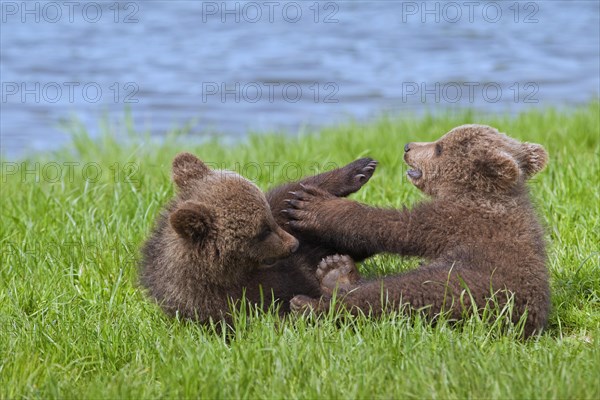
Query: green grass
(74, 324)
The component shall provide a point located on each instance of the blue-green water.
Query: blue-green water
(240, 66)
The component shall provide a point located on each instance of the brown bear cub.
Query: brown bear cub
(219, 239)
(479, 232)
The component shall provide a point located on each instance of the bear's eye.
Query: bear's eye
(264, 233)
(438, 149)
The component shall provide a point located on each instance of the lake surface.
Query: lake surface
(230, 68)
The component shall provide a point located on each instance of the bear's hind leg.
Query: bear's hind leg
(301, 304)
(337, 272)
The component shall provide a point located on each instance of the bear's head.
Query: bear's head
(472, 159)
(225, 218)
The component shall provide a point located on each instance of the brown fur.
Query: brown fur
(479, 231)
(219, 238)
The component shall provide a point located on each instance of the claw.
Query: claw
(293, 193)
(301, 195)
(308, 191)
(285, 211)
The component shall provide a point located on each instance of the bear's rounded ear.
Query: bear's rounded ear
(192, 220)
(498, 169)
(186, 168)
(534, 160)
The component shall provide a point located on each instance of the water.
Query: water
(232, 68)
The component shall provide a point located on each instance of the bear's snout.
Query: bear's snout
(295, 245)
(288, 243)
(291, 243)
(407, 147)
(281, 247)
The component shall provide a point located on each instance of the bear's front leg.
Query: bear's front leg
(315, 211)
(344, 181)
(339, 182)
(354, 228)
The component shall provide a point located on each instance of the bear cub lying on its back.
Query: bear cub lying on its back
(215, 240)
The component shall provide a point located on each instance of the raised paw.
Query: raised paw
(355, 175)
(306, 208)
(337, 271)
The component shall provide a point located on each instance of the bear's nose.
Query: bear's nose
(295, 245)
(406, 147)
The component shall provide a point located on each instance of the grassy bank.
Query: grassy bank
(74, 324)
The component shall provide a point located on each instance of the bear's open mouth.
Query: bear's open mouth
(414, 173)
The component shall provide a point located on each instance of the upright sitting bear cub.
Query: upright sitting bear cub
(479, 231)
(215, 238)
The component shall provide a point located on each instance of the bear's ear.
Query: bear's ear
(192, 221)
(534, 160)
(498, 169)
(187, 167)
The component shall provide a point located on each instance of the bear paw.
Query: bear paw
(337, 271)
(357, 173)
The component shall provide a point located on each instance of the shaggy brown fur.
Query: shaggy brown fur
(479, 231)
(216, 239)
